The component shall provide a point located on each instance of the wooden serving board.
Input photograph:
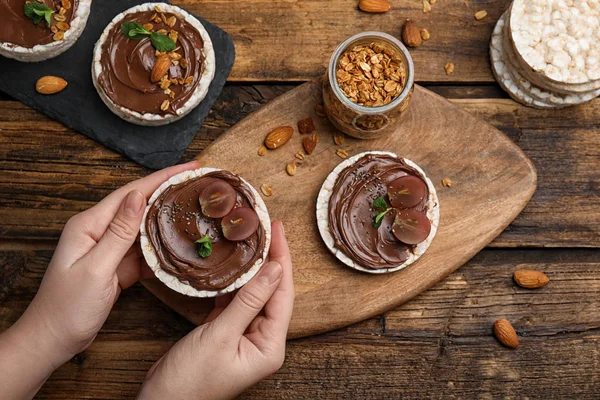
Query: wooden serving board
(492, 181)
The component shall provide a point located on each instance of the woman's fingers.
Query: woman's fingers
(129, 269)
(248, 302)
(147, 185)
(221, 303)
(120, 235)
(278, 309)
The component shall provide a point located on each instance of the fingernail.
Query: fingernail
(134, 202)
(270, 273)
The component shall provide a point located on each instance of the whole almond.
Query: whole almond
(161, 67)
(310, 142)
(530, 279)
(411, 36)
(278, 137)
(50, 84)
(374, 6)
(506, 333)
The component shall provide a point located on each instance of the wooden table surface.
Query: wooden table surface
(438, 345)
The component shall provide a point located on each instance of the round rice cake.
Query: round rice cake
(559, 39)
(503, 74)
(538, 79)
(322, 211)
(203, 81)
(551, 97)
(41, 52)
(172, 281)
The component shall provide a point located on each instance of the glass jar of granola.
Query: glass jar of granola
(368, 85)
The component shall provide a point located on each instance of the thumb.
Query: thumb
(249, 301)
(121, 233)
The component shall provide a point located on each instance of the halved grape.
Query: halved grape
(411, 226)
(406, 191)
(239, 224)
(217, 199)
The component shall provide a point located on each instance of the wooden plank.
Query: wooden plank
(279, 40)
(438, 345)
(50, 173)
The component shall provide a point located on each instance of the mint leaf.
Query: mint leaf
(162, 42)
(38, 11)
(204, 246)
(134, 30)
(380, 204)
(379, 218)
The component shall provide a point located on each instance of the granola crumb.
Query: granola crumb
(479, 15)
(427, 6)
(342, 153)
(291, 169)
(449, 67)
(267, 190)
(446, 182)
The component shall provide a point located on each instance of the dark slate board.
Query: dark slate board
(80, 108)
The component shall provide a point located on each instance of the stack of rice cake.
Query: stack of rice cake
(546, 53)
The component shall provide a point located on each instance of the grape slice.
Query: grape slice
(406, 191)
(411, 226)
(217, 199)
(239, 224)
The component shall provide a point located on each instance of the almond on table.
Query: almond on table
(50, 84)
(411, 35)
(278, 137)
(374, 6)
(506, 334)
(530, 279)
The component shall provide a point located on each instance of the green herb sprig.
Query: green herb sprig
(136, 31)
(38, 11)
(380, 205)
(204, 246)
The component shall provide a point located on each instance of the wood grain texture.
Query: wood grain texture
(49, 173)
(295, 39)
(438, 345)
(493, 182)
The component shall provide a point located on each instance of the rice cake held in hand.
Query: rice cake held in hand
(377, 212)
(153, 64)
(205, 232)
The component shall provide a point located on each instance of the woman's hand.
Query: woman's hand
(94, 260)
(238, 345)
